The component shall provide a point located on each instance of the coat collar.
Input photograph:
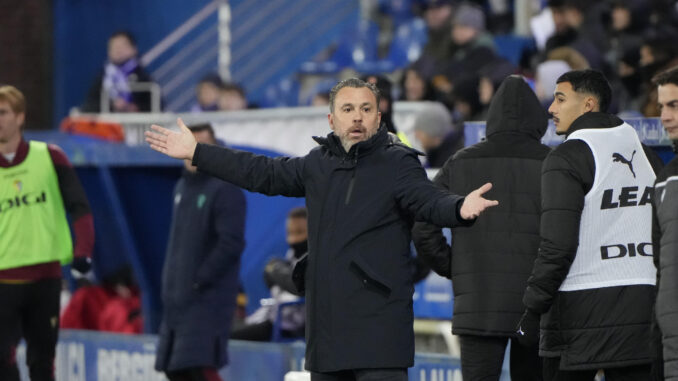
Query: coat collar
(333, 144)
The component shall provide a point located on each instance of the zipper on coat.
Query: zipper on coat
(350, 188)
(352, 182)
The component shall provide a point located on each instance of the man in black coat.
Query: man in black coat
(201, 273)
(363, 192)
(665, 228)
(489, 263)
(593, 280)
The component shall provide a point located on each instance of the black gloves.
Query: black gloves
(528, 329)
(81, 267)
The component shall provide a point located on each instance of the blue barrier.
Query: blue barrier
(96, 356)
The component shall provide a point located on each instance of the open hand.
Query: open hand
(178, 144)
(474, 203)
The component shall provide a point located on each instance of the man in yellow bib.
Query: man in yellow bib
(38, 186)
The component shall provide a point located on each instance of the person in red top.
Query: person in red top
(29, 294)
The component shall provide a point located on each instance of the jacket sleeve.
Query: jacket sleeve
(565, 178)
(228, 217)
(75, 203)
(256, 173)
(415, 193)
(431, 245)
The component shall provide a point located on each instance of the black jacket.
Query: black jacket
(201, 273)
(361, 207)
(594, 328)
(490, 262)
(664, 233)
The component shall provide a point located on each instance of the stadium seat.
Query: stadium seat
(512, 47)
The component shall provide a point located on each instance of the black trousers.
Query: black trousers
(29, 310)
(482, 358)
(629, 373)
(194, 374)
(394, 374)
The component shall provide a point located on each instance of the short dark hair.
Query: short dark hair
(299, 212)
(202, 127)
(590, 82)
(230, 86)
(126, 34)
(669, 76)
(354, 83)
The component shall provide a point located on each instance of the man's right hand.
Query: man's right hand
(178, 144)
(528, 329)
(474, 203)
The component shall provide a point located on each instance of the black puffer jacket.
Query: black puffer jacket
(594, 328)
(361, 208)
(490, 262)
(665, 233)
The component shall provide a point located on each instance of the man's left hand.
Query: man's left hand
(81, 267)
(474, 204)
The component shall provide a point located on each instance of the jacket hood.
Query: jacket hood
(516, 108)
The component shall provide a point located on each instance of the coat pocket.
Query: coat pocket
(370, 278)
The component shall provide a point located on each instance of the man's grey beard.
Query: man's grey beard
(348, 143)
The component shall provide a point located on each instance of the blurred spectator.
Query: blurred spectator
(232, 97)
(207, 92)
(656, 55)
(278, 277)
(472, 48)
(628, 21)
(545, 79)
(120, 73)
(466, 100)
(113, 306)
(630, 79)
(321, 99)
(573, 58)
(200, 274)
(491, 77)
(435, 132)
(385, 101)
(384, 86)
(578, 25)
(414, 87)
(438, 48)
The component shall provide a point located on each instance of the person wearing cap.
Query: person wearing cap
(489, 263)
(472, 48)
(201, 273)
(436, 133)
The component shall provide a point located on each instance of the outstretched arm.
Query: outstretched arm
(256, 173)
(416, 193)
(177, 144)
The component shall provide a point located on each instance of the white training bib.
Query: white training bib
(615, 232)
